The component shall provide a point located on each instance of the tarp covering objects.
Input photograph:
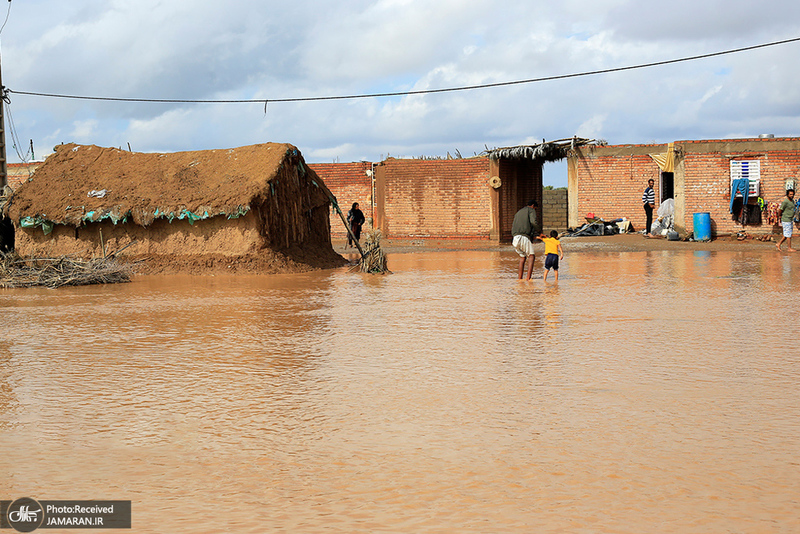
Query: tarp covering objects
(598, 226)
(666, 218)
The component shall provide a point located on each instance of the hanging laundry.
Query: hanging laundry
(740, 185)
(773, 215)
(737, 211)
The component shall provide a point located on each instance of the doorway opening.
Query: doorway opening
(6, 235)
(667, 186)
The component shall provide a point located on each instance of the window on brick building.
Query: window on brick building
(749, 169)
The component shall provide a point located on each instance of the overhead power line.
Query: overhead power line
(408, 93)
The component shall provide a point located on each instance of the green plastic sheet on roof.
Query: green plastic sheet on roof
(92, 216)
(33, 222)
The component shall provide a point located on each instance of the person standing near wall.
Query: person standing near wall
(355, 218)
(786, 209)
(649, 203)
(524, 229)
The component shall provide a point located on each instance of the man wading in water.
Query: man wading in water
(786, 210)
(523, 229)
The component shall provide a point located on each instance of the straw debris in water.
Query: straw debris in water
(16, 272)
(373, 260)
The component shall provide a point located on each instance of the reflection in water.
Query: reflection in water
(642, 389)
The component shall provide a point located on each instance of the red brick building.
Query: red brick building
(609, 180)
(469, 198)
(17, 173)
(349, 182)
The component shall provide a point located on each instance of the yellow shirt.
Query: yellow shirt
(551, 245)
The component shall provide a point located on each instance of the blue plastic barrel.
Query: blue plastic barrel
(702, 226)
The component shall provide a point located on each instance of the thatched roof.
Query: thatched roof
(86, 183)
(544, 151)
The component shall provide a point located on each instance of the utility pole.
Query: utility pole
(3, 166)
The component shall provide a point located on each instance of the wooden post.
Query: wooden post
(347, 227)
(3, 166)
(344, 221)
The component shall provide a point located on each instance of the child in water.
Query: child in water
(552, 253)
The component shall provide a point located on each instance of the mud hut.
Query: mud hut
(253, 208)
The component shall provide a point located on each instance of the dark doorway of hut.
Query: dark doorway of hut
(6, 235)
(373, 260)
(667, 186)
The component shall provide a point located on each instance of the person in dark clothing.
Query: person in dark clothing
(649, 202)
(355, 218)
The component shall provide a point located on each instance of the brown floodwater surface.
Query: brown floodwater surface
(645, 392)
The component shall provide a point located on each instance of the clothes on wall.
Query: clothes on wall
(741, 185)
(772, 213)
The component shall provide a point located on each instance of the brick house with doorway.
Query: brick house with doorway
(463, 198)
(609, 180)
(434, 199)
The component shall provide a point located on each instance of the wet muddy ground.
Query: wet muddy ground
(649, 390)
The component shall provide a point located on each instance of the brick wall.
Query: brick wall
(349, 182)
(554, 210)
(610, 180)
(17, 173)
(435, 198)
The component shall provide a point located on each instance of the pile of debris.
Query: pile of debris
(595, 226)
(664, 225)
(373, 259)
(52, 273)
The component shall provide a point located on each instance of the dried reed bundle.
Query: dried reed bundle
(373, 260)
(52, 273)
(544, 151)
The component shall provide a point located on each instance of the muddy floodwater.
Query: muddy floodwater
(645, 392)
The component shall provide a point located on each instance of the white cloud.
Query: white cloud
(83, 131)
(592, 128)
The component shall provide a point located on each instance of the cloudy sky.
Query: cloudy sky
(263, 49)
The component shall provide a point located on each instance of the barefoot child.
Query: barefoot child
(552, 253)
